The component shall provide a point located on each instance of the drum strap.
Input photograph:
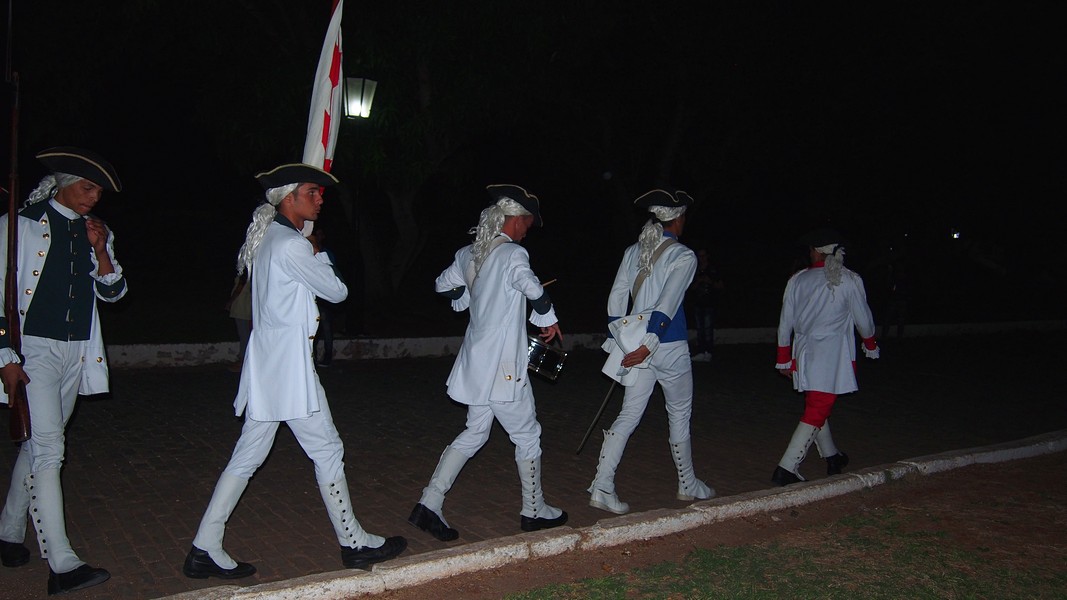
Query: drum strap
(642, 275)
(493, 245)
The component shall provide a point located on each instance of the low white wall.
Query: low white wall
(176, 355)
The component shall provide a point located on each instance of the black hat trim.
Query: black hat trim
(662, 197)
(823, 236)
(83, 163)
(295, 173)
(525, 199)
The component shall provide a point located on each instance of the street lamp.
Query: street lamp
(358, 96)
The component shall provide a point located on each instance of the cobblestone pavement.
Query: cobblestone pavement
(142, 463)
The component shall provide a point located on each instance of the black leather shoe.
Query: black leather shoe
(363, 557)
(427, 520)
(835, 463)
(78, 579)
(199, 565)
(539, 523)
(783, 477)
(13, 554)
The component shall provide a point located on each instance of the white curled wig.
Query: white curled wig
(652, 233)
(261, 219)
(50, 185)
(834, 262)
(490, 222)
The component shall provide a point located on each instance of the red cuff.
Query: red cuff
(785, 354)
(870, 343)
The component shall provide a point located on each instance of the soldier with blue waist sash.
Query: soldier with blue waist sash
(66, 262)
(655, 273)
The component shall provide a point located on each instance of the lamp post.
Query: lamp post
(358, 97)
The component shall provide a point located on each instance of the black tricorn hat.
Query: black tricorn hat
(528, 201)
(83, 163)
(823, 236)
(295, 173)
(671, 198)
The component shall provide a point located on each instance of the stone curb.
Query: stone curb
(489, 554)
(184, 355)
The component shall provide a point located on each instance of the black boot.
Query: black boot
(199, 565)
(363, 557)
(427, 520)
(78, 579)
(13, 554)
(835, 463)
(538, 523)
(783, 477)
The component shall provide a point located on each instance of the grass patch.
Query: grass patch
(876, 555)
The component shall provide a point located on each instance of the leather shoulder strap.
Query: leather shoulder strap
(641, 276)
(470, 275)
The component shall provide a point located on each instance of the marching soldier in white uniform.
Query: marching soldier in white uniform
(278, 379)
(816, 349)
(652, 346)
(492, 277)
(66, 262)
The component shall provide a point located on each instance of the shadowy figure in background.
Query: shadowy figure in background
(817, 349)
(240, 308)
(898, 290)
(704, 300)
(327, 310)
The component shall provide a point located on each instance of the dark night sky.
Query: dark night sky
(887, 119)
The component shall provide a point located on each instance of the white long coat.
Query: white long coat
(820, 322)
(34, 242)
(278, 379)
(491, 365)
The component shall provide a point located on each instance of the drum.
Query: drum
(544, 359)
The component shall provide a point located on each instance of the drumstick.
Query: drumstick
(549, 282)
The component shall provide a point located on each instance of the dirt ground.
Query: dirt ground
(1014, 511)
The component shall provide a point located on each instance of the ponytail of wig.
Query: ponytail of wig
(833, 263)
(261, 220)
(490, 222)
(652, 233)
